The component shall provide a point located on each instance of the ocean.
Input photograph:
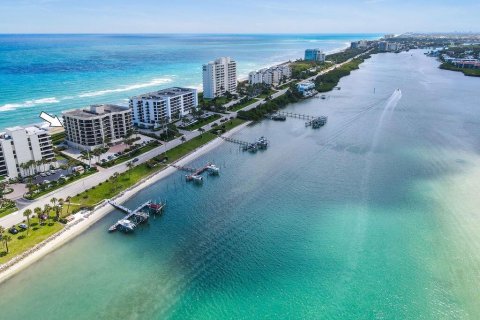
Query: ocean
(374, 216)
(53, 73)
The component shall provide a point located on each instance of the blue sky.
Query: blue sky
(243, 16)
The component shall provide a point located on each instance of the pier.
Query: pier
(196, 173)
(261, 143)
(134, 217)
(317, 122)
(312, 121)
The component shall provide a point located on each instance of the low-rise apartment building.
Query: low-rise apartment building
(271, 76)
(23, 146)
(163, 106)
(87, 129)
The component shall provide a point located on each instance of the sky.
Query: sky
(242, 16)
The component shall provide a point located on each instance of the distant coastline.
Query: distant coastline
(73, 81)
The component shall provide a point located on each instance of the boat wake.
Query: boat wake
(387, 114)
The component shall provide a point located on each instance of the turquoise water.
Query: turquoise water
(374, 216)
(52, 73)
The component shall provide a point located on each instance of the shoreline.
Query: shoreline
(199, 87)
(85, 221)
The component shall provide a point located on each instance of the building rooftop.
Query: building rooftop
(165, 93)
(95, 110)
(29, 130)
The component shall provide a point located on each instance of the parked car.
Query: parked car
(13, 230)
(46, 181)
(53, 171)
(43, 174)
(135, 160)
(23, 226)
(104, 160)
(48, 173)
(110, 157)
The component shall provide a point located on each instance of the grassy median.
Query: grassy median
(113, 186)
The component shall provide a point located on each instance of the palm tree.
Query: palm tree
(183, 139)
(70, 164)
(38, 213)
(114, 181)
(31, 165)
(44, 162)
(68, 200)
(38, 163)
(27, 213)
(130, 165)
(85, 155)
(46, 210)
(60, 205)
(2, 230)
(53, 201)
(6, 239)
(201, 130)
(23, 167)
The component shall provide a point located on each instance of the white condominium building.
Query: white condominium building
(87, 129)
(270, 76)
(219, 76)
(20, 146)
(162, 106)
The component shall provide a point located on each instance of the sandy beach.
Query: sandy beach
(84, 220)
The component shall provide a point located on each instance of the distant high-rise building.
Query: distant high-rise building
(87, 129)
(21, 146)
(314, 55)
(382, 45)
(389, 46)
(359, 44)
(219, 76)
(162, 106)
(389, 36)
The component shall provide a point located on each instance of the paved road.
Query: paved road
(93, 180)
(88, 182)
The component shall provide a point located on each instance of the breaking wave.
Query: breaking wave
(154, 82)
(51, 100)
(27, 104)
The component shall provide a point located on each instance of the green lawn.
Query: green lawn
(110, 188)
(264, 95)
(58, 138)
(242, 105)
(102, 191)
(36, 235)
(202, 122)
(7, 211)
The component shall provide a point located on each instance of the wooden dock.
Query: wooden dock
(261, 143)
(312, 121)
(296, 115)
